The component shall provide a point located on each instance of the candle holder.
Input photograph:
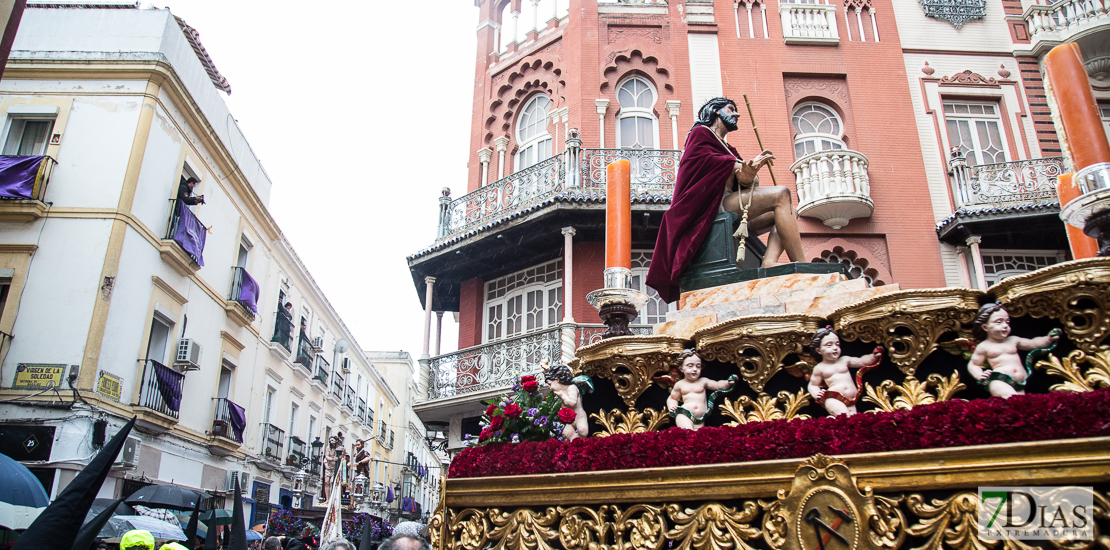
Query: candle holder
(618, 303)
(1090, 211)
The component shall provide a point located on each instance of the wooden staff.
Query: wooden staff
(757, 138)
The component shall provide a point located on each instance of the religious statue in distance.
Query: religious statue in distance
(998, 350)
(830, 382)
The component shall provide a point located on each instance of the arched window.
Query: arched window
(533, 140)
(819, 129)
(637, 127)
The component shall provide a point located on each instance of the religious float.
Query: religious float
(852, 418)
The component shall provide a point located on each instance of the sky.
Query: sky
(359, 111)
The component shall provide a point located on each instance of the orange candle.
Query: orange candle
(1075, 108)
(1081, 245)
(618, 215)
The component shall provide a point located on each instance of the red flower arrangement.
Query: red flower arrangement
(566, 416)
(523, 415)
(513, 410)
(1056, 415)
(530, 386)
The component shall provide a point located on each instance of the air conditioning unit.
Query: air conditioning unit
(318, 343)
(129, 455)
(188, 355)
(244, 480)
(345, 365)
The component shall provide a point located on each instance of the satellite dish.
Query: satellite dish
(341, 346)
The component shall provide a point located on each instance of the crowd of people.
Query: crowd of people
(408, 535)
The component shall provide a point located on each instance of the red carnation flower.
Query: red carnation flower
(486, 434)
(528, 378)
(496, 422)
(531, 386)
(566, 416)
(513, 410)
(490, 410)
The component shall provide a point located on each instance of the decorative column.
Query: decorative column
(439, 330)
(484, 154)
(429, 283)
(602, 105)
(536, 16)
(961, 259)
(672, 109)
(574, 150)
(977, 261)
(568, 274)
(516, 23)
(618, 303)
(1083, 140)
(444, 213)
(501, 144)
(555, 13)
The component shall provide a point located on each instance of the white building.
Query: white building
(104, 313)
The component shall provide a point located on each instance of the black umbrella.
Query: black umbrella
(87, 535)
(117, 506)
(191, 529)
(238, 522)
(166, 496)
(58, 525)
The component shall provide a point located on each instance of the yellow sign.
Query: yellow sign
(38, 376)
(108, 384)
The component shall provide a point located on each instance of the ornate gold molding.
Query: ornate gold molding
(1096, 375)
(630, 361)
(1075, 293)
(907, 323)
(617, 421)
(764, 407)
(912, 392)
(757, 345)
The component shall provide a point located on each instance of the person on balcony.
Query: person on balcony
(185, 192)
(709, 170)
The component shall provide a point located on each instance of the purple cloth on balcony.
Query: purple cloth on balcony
(238, 417)
(248, 291)
(389, 494)
(190, 233)
(18, 176)
(169, 386)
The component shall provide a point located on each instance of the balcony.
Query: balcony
(369, 420)
(159, 402)
(389, 445)
(23, 196)
(337, 387)
(1052, 22)
(242, 301)
(1015, 201)
(361, 408)
(281, 343)
(349, 399)
(296, 452)
(833, 186)
(228, 422)
(653, 172)
(183, 246)
(805, 23)
(323, 368)
(492, 366)
(381, 431)
(305, 354)
(273, 442)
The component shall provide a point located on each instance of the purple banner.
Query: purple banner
(169, 386)
(190, 233)
(389, 494)
(238, 417)
(19, 177)
(248, 291)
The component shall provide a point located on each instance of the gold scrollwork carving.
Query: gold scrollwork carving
(757, 345)
(523, 528)
(713, 526)
(633, 421)
(581, 528)
(907, 323)
(469, 528)
(1075, 293)
(912, 392)
(1097, 374)
(630, 361)
(764, 407)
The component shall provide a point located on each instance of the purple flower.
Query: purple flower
(533, 412)
(516, 438)
(540, 421)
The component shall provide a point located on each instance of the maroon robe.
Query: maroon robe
(702, 173)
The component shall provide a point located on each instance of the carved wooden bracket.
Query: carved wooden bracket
(756, 344)
(630, 361)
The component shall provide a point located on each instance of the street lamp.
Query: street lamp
(436, 434)
(317, 447)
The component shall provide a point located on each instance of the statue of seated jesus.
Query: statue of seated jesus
(712, 176)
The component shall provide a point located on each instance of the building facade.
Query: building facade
(120, 300)
(841, 92)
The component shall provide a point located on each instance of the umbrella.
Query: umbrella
(166, 496)
(156, 513)
(254, 535)
(87, 535)
(183, 521)
(19, 486)
(15, 517)
(100, 504)
(119, 525)
(221, 516)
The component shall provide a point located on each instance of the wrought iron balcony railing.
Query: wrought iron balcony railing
(228, 420)
(1054, 21)
(274, 441)
(337, 385)
(27, 177)
(491, 366)
(161, 389)
(1021, 182)
(833, 186)
(361, 408)
(244, 291)
(186, 230)
(804, 23)
(323, 370)
(283, 332)
(370, 419)
(296, 452)
(591, 334)
(653, 171)
(349, 399)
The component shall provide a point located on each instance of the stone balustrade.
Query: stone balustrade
(833, 186)
(808, 23)
(1051, 23)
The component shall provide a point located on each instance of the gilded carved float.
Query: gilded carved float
(912, 500)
